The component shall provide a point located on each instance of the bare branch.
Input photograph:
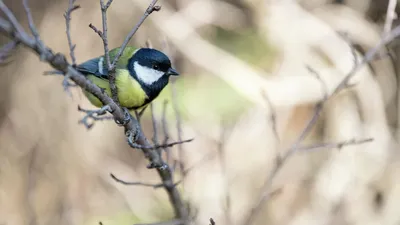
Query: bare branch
(338, 145)
(155, 186)
(6, 50)
(11, 18)
(155, 147)
(13, 30)
(165, 131)
(152, 7)
(368, 57)
(154, 123)
(273, 116)
(390, 16)
(97, 31)
(31, 23)
(67, 15)
(94, 115)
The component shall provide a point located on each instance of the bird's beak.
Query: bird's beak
(172, 71)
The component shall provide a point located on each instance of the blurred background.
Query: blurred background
(245, 94)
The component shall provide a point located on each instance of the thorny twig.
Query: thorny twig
(11, 28)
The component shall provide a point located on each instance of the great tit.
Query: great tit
(140, 75)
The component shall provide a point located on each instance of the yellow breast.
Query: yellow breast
(130, 93)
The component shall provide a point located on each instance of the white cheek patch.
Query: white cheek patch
(100, 65)
(147, 75)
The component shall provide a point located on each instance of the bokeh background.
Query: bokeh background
(237, 58)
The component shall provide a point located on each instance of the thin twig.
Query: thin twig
(6, 50)
(222, 161)
(154, 147)
(11, 18)
(14, 30)
(272, 119)
(152, 7)
(67, 15)
(370, 55)
(155, 186)
(165, 131)
(390, 16)
(94, 115)
(30, 21)
(338, 145)
(97, 31)
(154, 123)
(181, 152)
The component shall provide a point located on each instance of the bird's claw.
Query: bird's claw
(127, 118)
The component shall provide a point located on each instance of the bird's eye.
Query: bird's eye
(156, 67)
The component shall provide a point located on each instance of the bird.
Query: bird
(140, 75)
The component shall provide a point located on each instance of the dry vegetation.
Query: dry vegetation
(254, 74)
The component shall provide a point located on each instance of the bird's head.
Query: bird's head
(150, 66)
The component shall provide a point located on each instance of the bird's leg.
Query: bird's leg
(127, 118)
(139, 114)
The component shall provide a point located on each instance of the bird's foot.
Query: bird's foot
(127, 118)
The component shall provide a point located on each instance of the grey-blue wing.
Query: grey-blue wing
(94, 66)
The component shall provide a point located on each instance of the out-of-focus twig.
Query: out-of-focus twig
(369, 56)
(338, 145)
(280, 161)
(212, 222)
(165, 130)
(390, 16)
(6, 50)
(67, 15)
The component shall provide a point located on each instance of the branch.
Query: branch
(390, 16)
(369, 56)
(6, 50)
(338, 145)
(152, 7)
(14, 30)
(67, 15)
(155, 186)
